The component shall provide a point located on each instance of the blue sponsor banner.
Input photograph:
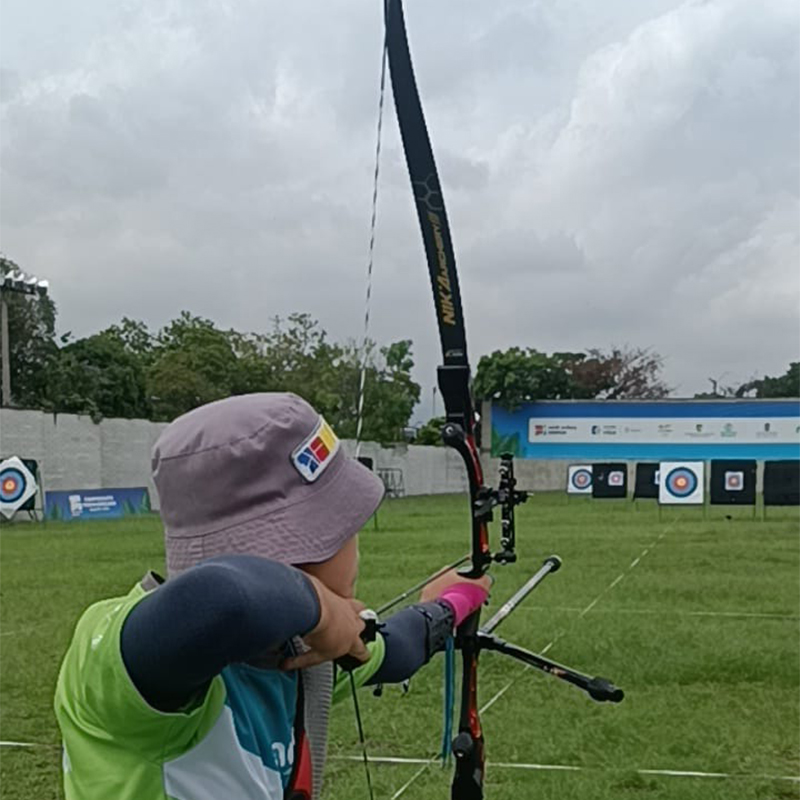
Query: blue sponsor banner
(645, 431)
(82, 504)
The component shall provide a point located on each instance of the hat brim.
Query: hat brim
(307, 532)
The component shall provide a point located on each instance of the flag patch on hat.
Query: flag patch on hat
(315, 453)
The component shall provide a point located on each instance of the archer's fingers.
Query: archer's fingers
(356, 605)
(360, 651)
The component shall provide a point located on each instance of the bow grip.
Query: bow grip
(370, 619)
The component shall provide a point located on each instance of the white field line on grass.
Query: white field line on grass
(583, 612)
(669, 773)
(23, 630)
(24, 744)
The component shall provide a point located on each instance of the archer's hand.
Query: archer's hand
(451, 578)
(336, 634)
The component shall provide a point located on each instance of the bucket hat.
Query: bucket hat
(259, 474)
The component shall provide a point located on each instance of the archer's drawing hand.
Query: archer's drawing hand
(435, 588)
(336, 634)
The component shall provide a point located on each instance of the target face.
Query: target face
(12, 485)
(734, 481)
(682, 483)
(579, 479)
(616, 478)
(17, 486)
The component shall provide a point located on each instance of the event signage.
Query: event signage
(83, 504)
(650, 430)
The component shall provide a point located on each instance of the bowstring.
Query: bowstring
(371, 256)
(365, 357)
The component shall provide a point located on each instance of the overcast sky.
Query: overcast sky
(623, 172)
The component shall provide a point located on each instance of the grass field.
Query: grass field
(701, 631)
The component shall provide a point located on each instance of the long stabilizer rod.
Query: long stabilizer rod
(551, 564)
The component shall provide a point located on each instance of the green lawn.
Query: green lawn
(702, 633)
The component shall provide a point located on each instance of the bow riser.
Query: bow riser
(459, 431)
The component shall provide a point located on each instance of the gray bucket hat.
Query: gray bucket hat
(259, 474)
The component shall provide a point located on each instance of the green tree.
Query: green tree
(431, 432)
(99, 376)
(193, 363)
(516, 376)
(390, 394)
(786, 385)
(32, 343)
(619, 374)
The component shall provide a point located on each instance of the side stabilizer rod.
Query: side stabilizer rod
(600, 689)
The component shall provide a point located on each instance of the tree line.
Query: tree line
(129, 371)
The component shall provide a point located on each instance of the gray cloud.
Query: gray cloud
(617, 173)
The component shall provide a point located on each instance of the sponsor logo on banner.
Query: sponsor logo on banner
(552, 430)
(728, 430)
(766, 432)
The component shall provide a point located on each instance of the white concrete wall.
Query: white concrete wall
(75, 453)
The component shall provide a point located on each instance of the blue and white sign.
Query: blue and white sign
(649, 430)
(83, 504)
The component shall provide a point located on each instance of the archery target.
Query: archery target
(682, 482)
(734, 481)
(616, 478)
(579, 479)
(17, 486)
